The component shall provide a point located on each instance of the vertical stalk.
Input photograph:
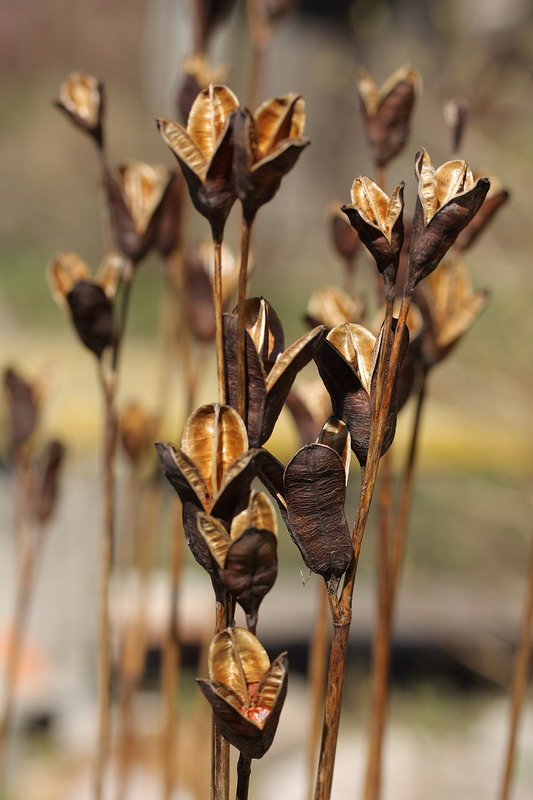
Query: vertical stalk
(260, 38)
(244, 768)
(521, 670)
(241, 346)
(317, 675)
(217, 292)
(220, 745)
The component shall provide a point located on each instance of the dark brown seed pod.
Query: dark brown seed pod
(448, 199)
(23, 403)
(245, 690)
(387, 111)
(492, 203)
(81, 98)
(267, 146)
(204, 151)
(46, 473)
(315, 492)
(92, 315)
(198, 286)
(309, 404)
(270, 370)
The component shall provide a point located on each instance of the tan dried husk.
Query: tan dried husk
(143, 186)
(236, 658)
(332, 306)
(359, 347)
(373, 95)
(436, 187)
(63, 272)
(80, 95)
(375, 207)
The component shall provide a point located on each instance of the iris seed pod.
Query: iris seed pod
(204, 151)
(387, 111)
(81, 98)
(23, 402)
(448, 199)
(331, 306)
(270, 369)
(496, 197)
(245, 690)
(267, 145)
(46, 472)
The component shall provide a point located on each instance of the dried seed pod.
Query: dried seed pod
(496, 197)
(345, 239)
(309, 404)
(331, 306)
(450, 307)
(347, 362)
(378, 220)
(197, 75)
(270, 370)
(136, 194)
(137, 432)
(456, 116)
(267, 145)
(23, 401)
(315, 493)
(387, 111)
(245, 690)
(204, 151)
(448, 199)
(81, 97)
(212, 471)
(45, 480)
(198, 285)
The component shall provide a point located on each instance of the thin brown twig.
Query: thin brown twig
(244, 768)
(260, 35)
(317, 680)
(217, 296)
(520, 676)
(241, 347)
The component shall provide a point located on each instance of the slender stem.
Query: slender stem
(241, 346)
(336, 671)
(219, 334)
(381, 648)
(317, 675)
(260, 38)
(244, 768)
(220, 745)
(172, 655)
(106, 566)
(521, 671)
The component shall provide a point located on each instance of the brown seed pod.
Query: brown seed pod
(331, 306)
(204, 151)
(46, 472)
(315, 492)
(496, 197)
(448, 199)
(267, 145)
(245, 690)
(81, 98)
(198, 286)
(387, 111)
(137, 430)
(378, 220)
(309, 404)
(270, 370)
(23, 401)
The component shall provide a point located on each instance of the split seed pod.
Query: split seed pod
(378, 220)
(45, 480)
(211, 472)
(331, 306)
(137, 194)
(270, 368)
(387, 111)
(267, 145)
(137, 429)
(81, 97)
(247, 555)
(197, 75)
(205, 154)
(448, 199)
(315, 492)
(23, 402)
(348, 363)
(198, 286)
(495, 198)
(450, 307)
(89, 301)
(245, 690)
(345, 238)
(309, 404)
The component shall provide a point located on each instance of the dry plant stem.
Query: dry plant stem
(241, 351)
(219, 331)
(219, 745)
(381, 647)
(317, 675)
(342, 609)
(172, 653)
(521, 671)
(244, 768)
(389, 579)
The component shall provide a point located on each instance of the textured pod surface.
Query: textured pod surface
(315, 491)
(250, 569)
(92, 315)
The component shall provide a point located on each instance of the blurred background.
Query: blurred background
(470, 530)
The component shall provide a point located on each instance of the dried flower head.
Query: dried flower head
(331, 306)
(450, 307)
(270, 368)
(197, 75)
(378, 220)
(89, 301)
(211, 472)
(455, 113)
(267, 145)
(81, 97)
(347, 362)
(245, 690)
(448, 199)
(205, 153)
(387, 111)
(136, 194)
(246, 555)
